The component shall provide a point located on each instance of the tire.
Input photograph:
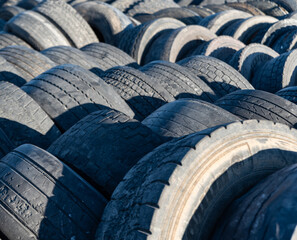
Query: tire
(178, 81)
(132, 7)
(181, 187)
(246, 7)
(10, 74)
(8, 12)
(36, 30)
(68, 93)
(136, 42)
(103, 146)
(288, 93)
(270, 8)
(69, 55)
(142, 93)
(202, 11)
(267, 205)
(68, 21)
(7, 39)
(107, 21)
(23, 120)
(286, 43)
(174, 45)
(6, 146)
(246, 29)
(42, 198)
(222, 47)
(256, 104)
(218, 22)
(249, 59)
(108, 56)
(185, 116)
(277, 30)
(221, 77)
(277, 73)
(218, 7)
(28, 62)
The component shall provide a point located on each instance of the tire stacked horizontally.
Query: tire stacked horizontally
(144, 119)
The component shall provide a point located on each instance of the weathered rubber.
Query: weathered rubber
(257, 104)
(288, 93)
(270, 8)
(68, 21)
(143, 93)
(7, 39)
(185, 116)
(68, 93)
(8, 12)
(220, 76)
(246, 7)
(42, 198)
(103, 146)
(23, 120)
(180, 189)
(202, 11)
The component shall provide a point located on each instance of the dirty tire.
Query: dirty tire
(68, 93)
(103, 146)
(286, 43)
(203, 184)
(179, 81)
(6, 145)
(23, 120)
(108, 56)
(288, 93)
(28, 62)
(277, 73)
(174, 45)
(77, 31)
(136, 42)
(8, 12)
(257, 104)
(42, 198)
(201, 11)
(270, 8)
(106, 20)
(220, 76)
(249, 59)
(246, 7)
(143, 93)
(185, 116)
(267, 205)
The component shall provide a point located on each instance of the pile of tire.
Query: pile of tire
(144, 119)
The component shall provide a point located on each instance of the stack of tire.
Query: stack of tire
(128, 119)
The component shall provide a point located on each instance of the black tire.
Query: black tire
(143, 93)
(9, 73)
(267, 205)
(277, 73)
(179, 81)
(185, 116)
(108, 56)
(36, 30)
(70, 55)
(277, 30)
(174, 45)
(68, 93)
(6, 146)
(179, 190)
(28, 62)
(246, 7)
(222, 47)
(246, 29)
(257, 104)
(202, 11)
(288, 93)
(218, 7)
(249, 59)
(7, 39)
(77, 31)
(8, 12)
(103, 146)
(220, 76)
(41, 198)
(23, 120)
(286, 43)
(136, 42)
(270, 8)
(106, 20)
(218, 22)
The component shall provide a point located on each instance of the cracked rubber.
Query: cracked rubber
(182, 187)
(103, 146)
(220, 76)
(257, 104)
(185, 116)
(68, 93)
(42, 198)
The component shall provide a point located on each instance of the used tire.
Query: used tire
(42, 198)
(288, 93)
(180, 189)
